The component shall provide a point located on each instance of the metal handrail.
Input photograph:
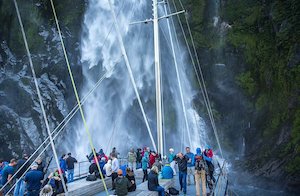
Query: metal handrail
(82, 168)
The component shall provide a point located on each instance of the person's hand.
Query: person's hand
(50, 175)
(132, 181)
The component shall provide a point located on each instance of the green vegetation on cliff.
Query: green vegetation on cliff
(267, 34)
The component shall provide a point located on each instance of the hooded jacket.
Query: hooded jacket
(145, 161)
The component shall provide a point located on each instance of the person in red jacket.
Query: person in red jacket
(208, 155)
(152, 158)
(102, 154)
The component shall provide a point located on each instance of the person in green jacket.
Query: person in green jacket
(122, 184)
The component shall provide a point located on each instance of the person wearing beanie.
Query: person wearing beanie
(200, 172)
(121, 184)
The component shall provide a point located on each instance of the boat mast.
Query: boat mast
(157, 79)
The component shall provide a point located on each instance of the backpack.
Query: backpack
(173, 191)
(199, 163)
(91, 177)
(211, 167)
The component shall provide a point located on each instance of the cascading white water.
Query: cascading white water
(113, 114)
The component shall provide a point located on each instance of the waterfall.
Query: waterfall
(113, 114)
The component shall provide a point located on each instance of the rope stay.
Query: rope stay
(39, 97)
(77, 96)
(122, 47)
(200, 79)
(178, 77)
(203, 81)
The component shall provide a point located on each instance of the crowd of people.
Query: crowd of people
(32, 182)
(191, 168)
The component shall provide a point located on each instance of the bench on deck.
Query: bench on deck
(142, 189)
(88, 188)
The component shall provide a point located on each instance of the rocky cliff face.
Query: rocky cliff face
(21, 122)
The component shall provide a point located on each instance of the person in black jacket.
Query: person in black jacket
(41, 165)
(55, 182)
(20, 187)
(70, 167)
(182, 161)
(153, 184)
(131, 178)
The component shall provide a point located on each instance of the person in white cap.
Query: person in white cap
(33, 180)
(171, 160)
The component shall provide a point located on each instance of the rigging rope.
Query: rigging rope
(201, 82)
(39, 96)
(178, 78)
(121, 43)
(77, 96)
(202, 78)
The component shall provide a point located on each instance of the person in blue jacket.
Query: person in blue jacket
(63, 164)
(190, 165)
(145, 161)
(167, 171)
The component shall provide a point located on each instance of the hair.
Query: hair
(129, 171)
(13, 160)
(69, 154)
(62, 156)
(1, 160)
(46, 191)
(113, 155)
(187, 147)
(154, 168)
(39, 159)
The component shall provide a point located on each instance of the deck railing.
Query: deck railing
(81, 168)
